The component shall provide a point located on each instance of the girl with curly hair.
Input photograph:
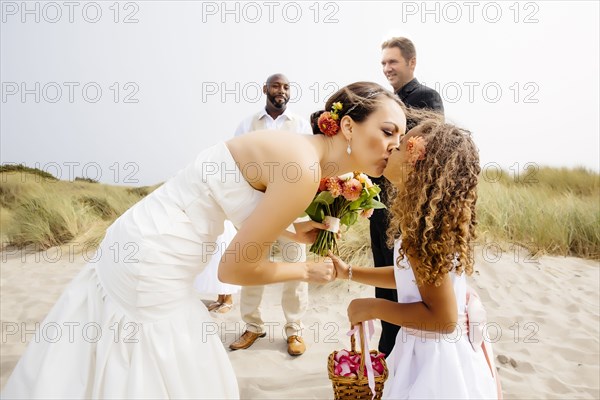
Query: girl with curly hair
(439, 351)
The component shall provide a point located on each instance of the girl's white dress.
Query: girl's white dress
(436, 366)
(130, 323)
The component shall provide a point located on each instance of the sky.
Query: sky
(128, 93)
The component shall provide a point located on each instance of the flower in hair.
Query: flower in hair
(328, 120)
(335, 108)
(327, 124)
(416, 149)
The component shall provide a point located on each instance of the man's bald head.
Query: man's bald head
(277, 89)
(277, 77)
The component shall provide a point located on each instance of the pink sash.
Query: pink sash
(476, 320)
(365, 350)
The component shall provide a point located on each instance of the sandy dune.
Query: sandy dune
(544, 315)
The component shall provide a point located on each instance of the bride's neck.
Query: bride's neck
(332, 154)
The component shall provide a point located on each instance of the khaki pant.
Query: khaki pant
(294, 299)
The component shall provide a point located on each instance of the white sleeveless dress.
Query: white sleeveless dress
(429, 366)
(132, 325)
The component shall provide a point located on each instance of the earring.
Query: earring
(349, 149)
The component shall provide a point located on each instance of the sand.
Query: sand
(543, 314)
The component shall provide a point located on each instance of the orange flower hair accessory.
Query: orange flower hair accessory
(416, 148)
(328, 121)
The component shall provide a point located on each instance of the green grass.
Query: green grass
(46, 212)
(546, 210)
(554, 211)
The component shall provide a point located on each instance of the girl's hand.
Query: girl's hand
(341, 268)
(360, 310)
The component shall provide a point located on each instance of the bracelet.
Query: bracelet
(349, 276)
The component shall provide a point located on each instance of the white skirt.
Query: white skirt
(130, 324)
(208, 282)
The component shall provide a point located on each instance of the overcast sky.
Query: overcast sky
(130, 92)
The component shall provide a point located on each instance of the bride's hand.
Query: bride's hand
(321, 272)
(307, 231)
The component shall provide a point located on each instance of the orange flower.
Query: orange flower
(368, 213)
(334, 185)
(364, 179)
(416, 149)
(327, 124)
(323, 185)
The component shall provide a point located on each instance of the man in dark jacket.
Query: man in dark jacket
(399, 59)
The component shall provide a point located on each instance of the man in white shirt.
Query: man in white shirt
(294, 301)
(275, 115)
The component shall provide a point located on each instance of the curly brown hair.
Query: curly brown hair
(434, 208)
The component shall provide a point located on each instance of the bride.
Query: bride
(136, 328)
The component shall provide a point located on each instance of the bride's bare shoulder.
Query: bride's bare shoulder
(274, 146)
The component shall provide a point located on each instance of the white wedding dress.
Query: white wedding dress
(132, 325)
(207, 282)
(429, 366)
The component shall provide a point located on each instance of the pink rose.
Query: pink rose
(352, 189)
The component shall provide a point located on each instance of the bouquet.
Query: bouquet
(339, 201)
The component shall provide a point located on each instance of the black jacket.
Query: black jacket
(416, 95)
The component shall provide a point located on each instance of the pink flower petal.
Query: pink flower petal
(345, 369)
(337, 370)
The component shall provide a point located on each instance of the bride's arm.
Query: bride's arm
(246, 260)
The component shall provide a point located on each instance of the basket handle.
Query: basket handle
(353, 348)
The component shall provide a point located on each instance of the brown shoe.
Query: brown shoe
(246, 340)
(296, 345)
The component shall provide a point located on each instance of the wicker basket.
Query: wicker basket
(346, 388)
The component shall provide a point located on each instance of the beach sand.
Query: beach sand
(542, 314)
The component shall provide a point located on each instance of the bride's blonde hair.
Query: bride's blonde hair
(434, 211)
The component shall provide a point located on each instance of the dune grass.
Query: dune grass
(554, 211)
(546, 210)
(23, 171)
(42, 211)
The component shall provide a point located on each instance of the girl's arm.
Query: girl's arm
(381, 277)
(436, 312)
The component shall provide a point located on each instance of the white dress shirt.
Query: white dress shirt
(246, 125)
